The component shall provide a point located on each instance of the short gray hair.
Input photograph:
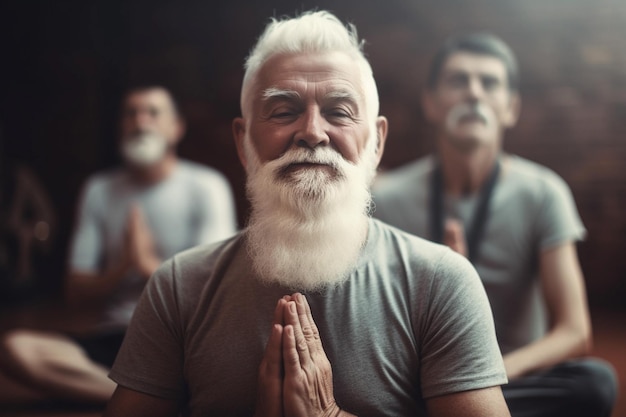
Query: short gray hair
(311, 32)
(480, 43)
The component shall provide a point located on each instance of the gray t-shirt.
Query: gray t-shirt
(411, 322)
(193, 205)
(531, 210)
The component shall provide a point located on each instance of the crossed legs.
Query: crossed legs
(583, 387)
(43, 366)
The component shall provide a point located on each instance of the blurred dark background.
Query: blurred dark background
(65, 64)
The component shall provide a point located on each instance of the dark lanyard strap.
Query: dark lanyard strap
(477, 228)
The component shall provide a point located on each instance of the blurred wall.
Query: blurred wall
(65, 65)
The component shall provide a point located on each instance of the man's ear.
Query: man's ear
(180, 130)
(239, 134)
(514, 110)
(382, 127)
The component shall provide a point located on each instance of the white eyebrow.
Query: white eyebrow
(341, 95)
(272, 92)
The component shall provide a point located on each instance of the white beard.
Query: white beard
(307, 227)
(144, 149)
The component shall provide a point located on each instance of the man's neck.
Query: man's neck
(155, 173)
(465, 172)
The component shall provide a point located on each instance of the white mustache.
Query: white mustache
(463, 110)
(323, 156)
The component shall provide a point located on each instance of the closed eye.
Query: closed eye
(283, 111)
(282, 115)
(457, 80)
(340, 109)
(490, 83)
(339, 113)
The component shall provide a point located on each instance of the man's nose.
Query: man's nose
(142, 119)
(475, 89)
(312, 132)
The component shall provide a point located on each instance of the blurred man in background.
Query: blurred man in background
(517, 223)
(129, 220)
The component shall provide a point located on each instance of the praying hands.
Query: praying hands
(295, 376)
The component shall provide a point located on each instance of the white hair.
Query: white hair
(311, 32)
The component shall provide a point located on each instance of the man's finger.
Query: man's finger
(291, 318)
(269, 391)
(134, 216)
(279, 312)
(273, 352)
(309, 328)
(454, 236)
(291, 354)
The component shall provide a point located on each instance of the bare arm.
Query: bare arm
(570, 326)
(84, 287)
(129, 403)
(487, 402)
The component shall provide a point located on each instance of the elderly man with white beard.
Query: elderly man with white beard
(515, 220)
(129, 219)
(315, 309)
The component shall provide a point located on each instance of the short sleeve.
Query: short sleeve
(150, 359)
(558, 220)
(86, 248)
(459, 349)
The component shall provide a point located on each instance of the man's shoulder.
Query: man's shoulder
(406, 244)
(417, 168)
(399, 195)
(399, 180)
(203, 180)
(201, 260)
(532, 175)
(100, 181)
(418, 256)
(196, 171)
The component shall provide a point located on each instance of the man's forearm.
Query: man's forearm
(83, 287)
(557, 346)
